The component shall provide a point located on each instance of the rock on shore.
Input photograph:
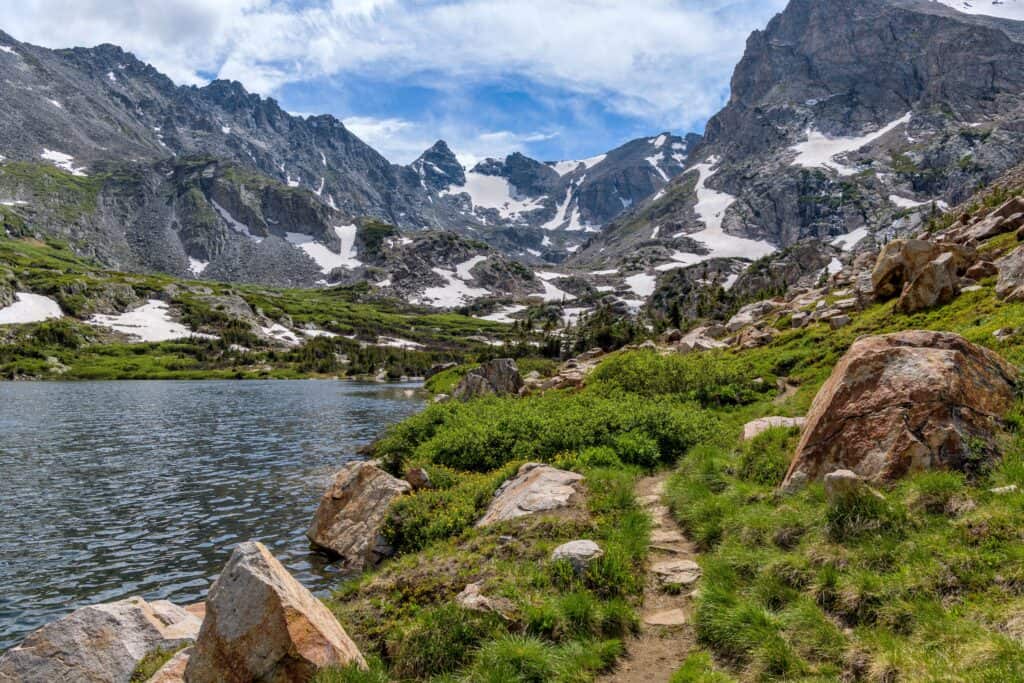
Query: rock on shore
(262, 625)
(99, 643)
(352, 512)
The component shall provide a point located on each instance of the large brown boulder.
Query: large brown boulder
(901, 261)
(98, 643)
(262, 625)
(352, 512)
(904, 402)
(935, 284)
(535, 488)
(496, 377)
(1010, 285)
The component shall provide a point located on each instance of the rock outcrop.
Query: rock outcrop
(763, 424)
(578, 553)
(473, 599)
(1010, 285)
(348, 522)
(98, 643)
(535, 488)
(904, 402)
(936, 283)
(262, 625)
(901, 262)
(496, 377)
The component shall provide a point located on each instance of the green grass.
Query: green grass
(80, 351)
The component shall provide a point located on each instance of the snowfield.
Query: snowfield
(819, 150)
(710, 209)
(850, 240)
(493, 192)
(456, 290)
(151, 322)
(504, 315)
(65, 162)
(643, 284)
(30, 308)
(324, 257)
(196, 267)
(1003, 9)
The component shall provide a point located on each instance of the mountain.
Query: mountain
(543, 211)
(100, 149)
(846, 117)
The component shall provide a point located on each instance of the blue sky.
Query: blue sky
(556, 79)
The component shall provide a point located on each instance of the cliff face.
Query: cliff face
(845, 115)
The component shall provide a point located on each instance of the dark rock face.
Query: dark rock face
(848, 69)
(497, 377)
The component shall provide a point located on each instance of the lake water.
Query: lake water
(112, 489)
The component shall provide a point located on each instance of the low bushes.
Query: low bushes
(480, 436)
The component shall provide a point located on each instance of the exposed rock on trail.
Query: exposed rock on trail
(665, 637)
(905, 402)
(535, 488)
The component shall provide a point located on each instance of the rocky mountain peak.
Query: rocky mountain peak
(439, 168)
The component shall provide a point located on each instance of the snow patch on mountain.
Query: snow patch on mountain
(820, 150)
(322, 254)
(1003, 9)
(30, 308)
(565, 167)
(150, 322)
(235, 224)
(493, 192)
(643, 284)
(65, 162)
(196, 267)
(710, 209)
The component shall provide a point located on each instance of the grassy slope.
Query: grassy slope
(90, 353)
(928, 585)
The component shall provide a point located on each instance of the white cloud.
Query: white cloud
(401, 140)
(664, 60)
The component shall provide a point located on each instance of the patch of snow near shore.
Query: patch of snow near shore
(850, 240)
(397, 343)
(819, 150)
(504, 315)
(710, 209)
(196, 267)
(65, 162)
(493, 192)
(151, 322)
(235, 224)
(324, 257)
(281, 333)
(1003, 9)
(643, 284)
(30, 308)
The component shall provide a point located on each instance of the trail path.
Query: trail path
(666, 636)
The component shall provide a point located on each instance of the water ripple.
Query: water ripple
(111, 489)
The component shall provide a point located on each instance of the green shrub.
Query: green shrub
(374, 673)
(440, 640)
(698, 668)
(854, 517)
(712, 379)
(765, 458)
(515, 659)
(636, 448)
(415, 521)
(485, 434)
